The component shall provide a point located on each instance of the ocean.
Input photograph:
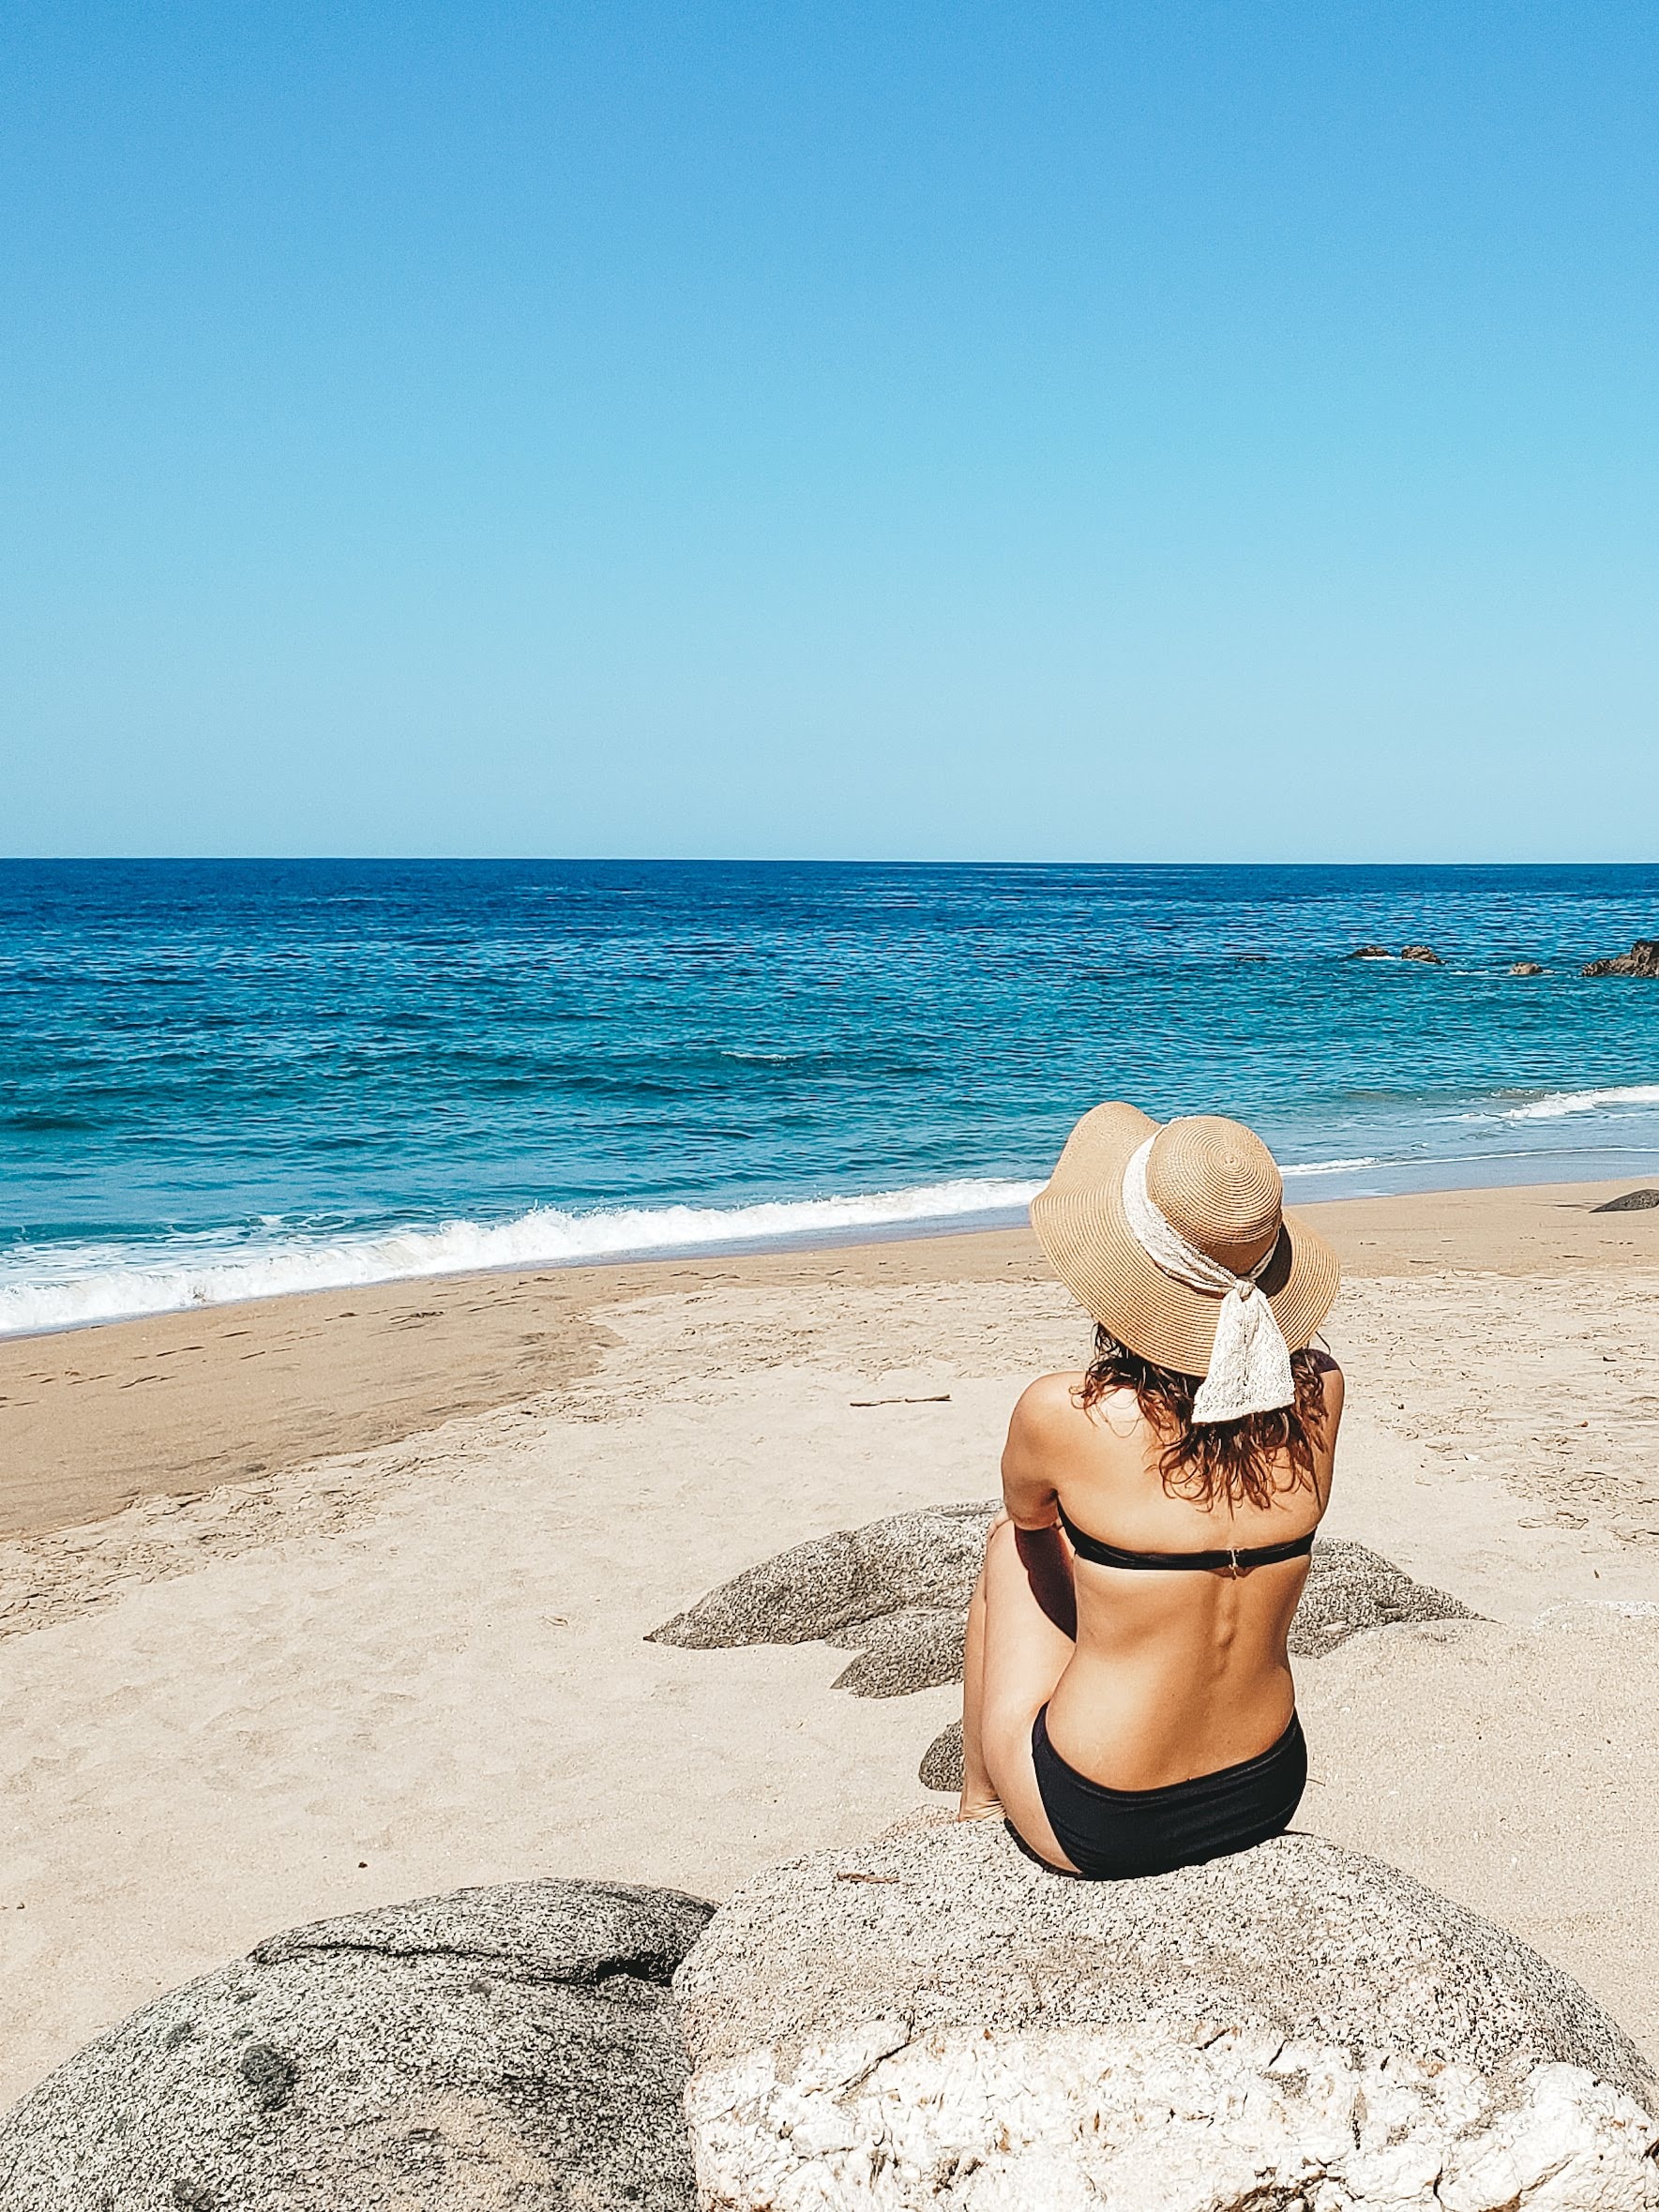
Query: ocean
(226, 1078)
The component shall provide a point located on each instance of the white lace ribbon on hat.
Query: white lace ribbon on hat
(1250, 1366)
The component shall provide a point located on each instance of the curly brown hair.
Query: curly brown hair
(1262, 1457)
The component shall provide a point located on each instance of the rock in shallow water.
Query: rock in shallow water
(506, 2046)
(1641, 960)
(935, 2020)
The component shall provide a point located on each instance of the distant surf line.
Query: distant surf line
(1555, 1105)
(46, 1288)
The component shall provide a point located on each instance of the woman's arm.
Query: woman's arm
(1036, 1437)
(1332, 1390)
(1331, 1396)
(1031, 1501)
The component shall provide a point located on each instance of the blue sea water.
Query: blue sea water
(223, 1078)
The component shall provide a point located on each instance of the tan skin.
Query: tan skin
(1150, 1678)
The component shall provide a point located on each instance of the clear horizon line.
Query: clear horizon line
(758, 860)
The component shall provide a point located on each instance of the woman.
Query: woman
(1127, 1701)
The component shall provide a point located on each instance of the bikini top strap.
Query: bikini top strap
(1231, 1560)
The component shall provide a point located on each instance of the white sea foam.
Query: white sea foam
(1557, 1104)
(60, 1288)
(1324, 1167)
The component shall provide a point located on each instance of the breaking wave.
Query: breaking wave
(1556, 1104)
(62, 1286)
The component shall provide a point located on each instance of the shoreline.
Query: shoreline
(177, 1404)
(292, 1672)
(1331, 1184)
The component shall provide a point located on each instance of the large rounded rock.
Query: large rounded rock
(896, 1592)
(509, 2046)
(1350, 1587)
(936, 2020)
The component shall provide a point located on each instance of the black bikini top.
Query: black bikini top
(1230, 1561)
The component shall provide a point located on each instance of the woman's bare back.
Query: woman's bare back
(1175, 1673)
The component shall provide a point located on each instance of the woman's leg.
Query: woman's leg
(979, 1799)
(1019, 1646)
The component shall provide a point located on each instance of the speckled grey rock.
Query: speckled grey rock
(941, 1762)
(929, 1559)
(896, 1591)
(942, 2021)
(506, 2046)
(917, 1649)
(1350, 1587)
(952, 1924)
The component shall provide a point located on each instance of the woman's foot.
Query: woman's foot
(979, 1808)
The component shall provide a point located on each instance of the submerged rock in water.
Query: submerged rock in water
(514, 2045)
(935, 2018)
(1370, 952)
(1527, 968)
(1641, 960)
(1423, 953)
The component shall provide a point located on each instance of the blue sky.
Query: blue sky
(1088, 431)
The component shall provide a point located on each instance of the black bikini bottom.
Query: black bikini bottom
(1112, 1834)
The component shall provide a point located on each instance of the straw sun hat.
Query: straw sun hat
(1169, 1233)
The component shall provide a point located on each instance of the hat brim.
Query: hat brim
(1079, 1221)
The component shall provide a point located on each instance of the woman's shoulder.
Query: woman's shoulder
(1047, 1405)
(1329, 1375)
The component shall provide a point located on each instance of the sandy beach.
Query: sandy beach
(330, 1600)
